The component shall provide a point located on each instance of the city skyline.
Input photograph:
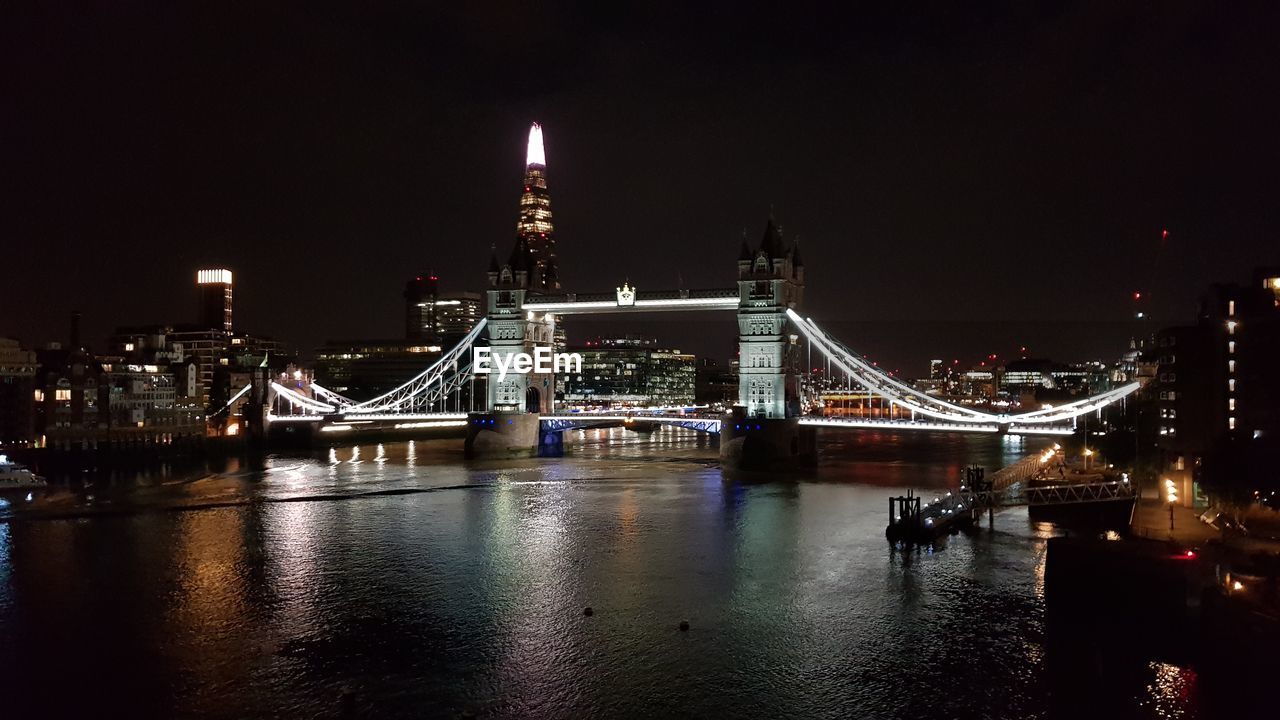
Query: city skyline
(873, 360)
(928, 203)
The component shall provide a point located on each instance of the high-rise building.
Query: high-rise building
(437, 318)
(419, 307)
(215, 299)
(1217, 381)
(535, 226)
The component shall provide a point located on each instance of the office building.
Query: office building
(363, 369)
(631, 371)
(438, 318)
(1218, 383)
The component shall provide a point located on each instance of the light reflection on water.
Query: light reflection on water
(418, 583)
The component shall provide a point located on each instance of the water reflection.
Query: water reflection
(1172, 691)
(422, 584)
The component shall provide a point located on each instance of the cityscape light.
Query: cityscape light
(535, 154)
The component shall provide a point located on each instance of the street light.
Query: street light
(1171, 497)
(1087, 454)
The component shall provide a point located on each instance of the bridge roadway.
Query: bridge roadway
(711, 423)
(706, 423)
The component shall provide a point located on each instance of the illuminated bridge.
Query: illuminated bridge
(433, 400)
(515, 414)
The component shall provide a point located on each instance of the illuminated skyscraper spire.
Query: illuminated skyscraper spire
(535, 226)
(536, 155)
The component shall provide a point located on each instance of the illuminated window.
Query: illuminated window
(39, 395)
(1231, 404)
(1231, 327)
(1231, 347)
(62, 394)
(1231, 308)
(1231, 366)
(1231, 385)
(1181, 465)
(1231, 423)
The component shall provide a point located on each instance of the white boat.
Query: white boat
(17, 477)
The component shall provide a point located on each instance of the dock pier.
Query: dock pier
(912, 522)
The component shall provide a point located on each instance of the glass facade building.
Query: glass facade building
(631, 371)
(535, 225)
(436, 318)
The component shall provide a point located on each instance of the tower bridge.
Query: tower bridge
(524, 305)
(516, 415)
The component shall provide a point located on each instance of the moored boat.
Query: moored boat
(17, 477)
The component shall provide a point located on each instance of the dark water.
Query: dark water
(401, 581)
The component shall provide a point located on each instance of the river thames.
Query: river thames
(399, 580)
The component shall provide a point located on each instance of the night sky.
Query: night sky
(963, 180)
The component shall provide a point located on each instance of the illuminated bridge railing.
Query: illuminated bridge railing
(576, 421)
(712, 424)
(926, 425)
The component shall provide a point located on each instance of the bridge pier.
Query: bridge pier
(550, 443)
(765, 443)
(504, 435)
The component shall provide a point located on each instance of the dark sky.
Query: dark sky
(963, 179)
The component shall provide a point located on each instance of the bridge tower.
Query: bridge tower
(512, 330)
(764, 428)
(510, 427)
(770, 281)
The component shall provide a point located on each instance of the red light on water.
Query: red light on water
(1164, 234)
(1137, 296)
(1190, 553)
